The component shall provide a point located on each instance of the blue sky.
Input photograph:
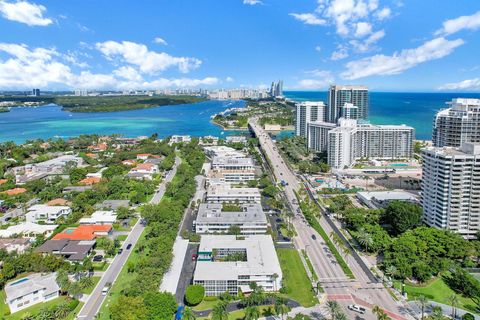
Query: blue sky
(398, 45)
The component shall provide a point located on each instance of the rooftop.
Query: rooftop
(83, 232)
(261, 257)
(212, 212)
(27, 228)
(20, 287)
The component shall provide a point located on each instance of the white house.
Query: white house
(100, 217)
(30, 290)
(46, 213)
(28, 229)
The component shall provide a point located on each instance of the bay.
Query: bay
(27, 123)
(411, 108)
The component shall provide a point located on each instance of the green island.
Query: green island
(103, 103)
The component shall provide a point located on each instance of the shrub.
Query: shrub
(73, 304)
(194, 294)
(468, 316)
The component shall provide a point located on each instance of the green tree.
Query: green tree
(219, 311)
(251, 313)
(334, 309)
(235, 230)
(453, 301)
(62, 310)
(364, 238)
(422, 301)
(403, 216)
(160, 305)
(194, 294)
(128, 308)
(188, 314)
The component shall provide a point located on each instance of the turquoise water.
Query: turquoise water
(398, 165)
(410, 108)
(24, 123)
(19, 281)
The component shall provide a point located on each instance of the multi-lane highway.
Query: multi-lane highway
(95, 300)
(362, 290)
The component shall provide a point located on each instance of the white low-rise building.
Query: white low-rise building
(227, 263)
(30, 290)
(28, 229)
(179, 139)
(223, 151)
(100, 217)
(46, 213)
(214, 218)
(225, 193)
(232, 176)
(229, 163)
(236, 139)
(380, 199)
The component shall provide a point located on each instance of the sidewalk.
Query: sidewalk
(171, 278)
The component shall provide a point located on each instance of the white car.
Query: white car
(357, 308)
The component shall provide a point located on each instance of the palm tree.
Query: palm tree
(334, 309)
(281, 307)
(275, 277)
(319, 287)
(423, 302)
(74, 289)
(252, 313)
(437, 313)
(220, 312)
(341, 316)
(364, 238)
(391, 272)
(86, 282)
(62, 310)
(453, 301)
(188, 314)
(381, 315)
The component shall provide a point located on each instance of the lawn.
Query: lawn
(205, 305)
(89, 290)
(437, 290)
(122, 237)
(295, 278)
(122, 282)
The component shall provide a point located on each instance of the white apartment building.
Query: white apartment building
(212, 218)
(41, 170)
(236, 139)
(254, 260)
(305, 112)
(232, 176)
(351, 141)
(227, 194)
(457, 124)
(317, 135)
(46, 213)
(451, 188)
(228, 163)
(33, 289)
(223, 151)
(179, 139)
(340, 95)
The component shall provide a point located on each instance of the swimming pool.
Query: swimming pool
(398, 165)
(19, 281)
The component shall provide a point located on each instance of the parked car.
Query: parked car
(314, 237)
(357, 308)
(129, 246)
(97, 258)
(120, 251)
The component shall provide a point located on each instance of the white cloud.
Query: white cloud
(160, 41)
(400, 61)
(24, 12)
(461, 23)
(149, 62)
(309, 18)
(383, 13)
(321, 79)
(318, 48)
(467, 85)
(252, 2)
(363, 29)
(229, 79)
(345, 14)
(46, 68)
(339, 54)
(365, 45)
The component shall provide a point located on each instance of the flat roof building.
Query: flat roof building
(305, 112)
(229, 163)
(227, 263)
(28, 229)
(381, 199)
(216, 218)
(100, 217)
(46, 213)
(451, 188)
(220, 194)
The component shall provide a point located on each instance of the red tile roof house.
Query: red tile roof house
(98, 148)
(15, 191)
(89, 181)
(129, 163)
(85, 232)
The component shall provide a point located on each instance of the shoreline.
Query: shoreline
(229, 129)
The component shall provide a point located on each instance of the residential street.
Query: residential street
(95, 300)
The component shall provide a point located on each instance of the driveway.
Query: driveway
(188, 268)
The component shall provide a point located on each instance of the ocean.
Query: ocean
(28, 123)
(413, 109)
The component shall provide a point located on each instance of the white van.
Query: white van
(357, 308)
